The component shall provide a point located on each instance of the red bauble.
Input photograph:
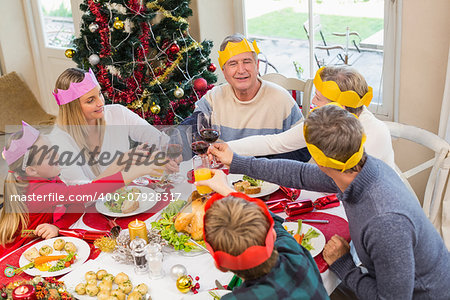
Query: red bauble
(212, 67)
(174, 49)
(200, 84)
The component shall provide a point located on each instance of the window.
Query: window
(345, 32)
(57, 22)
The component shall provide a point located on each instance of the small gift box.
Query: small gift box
(326, 202)
(277, 205)
(298, 207)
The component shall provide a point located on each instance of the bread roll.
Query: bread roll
(31, 254)
(250, 190)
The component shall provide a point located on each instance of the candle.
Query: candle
(24, 292)
(137, 229)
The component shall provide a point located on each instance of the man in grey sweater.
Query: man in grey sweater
(404, 255)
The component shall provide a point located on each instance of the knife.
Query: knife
(315, 221)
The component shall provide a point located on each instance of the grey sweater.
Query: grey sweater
(403, 253)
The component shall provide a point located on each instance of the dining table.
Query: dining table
(199, 264)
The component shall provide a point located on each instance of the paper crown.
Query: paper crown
(331, 91)
(252, 256)
(19, 147)
(322, 160)
(233, 49)
(76, 89)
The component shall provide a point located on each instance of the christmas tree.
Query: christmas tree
(144, 56)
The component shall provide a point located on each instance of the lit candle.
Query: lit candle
(24, 292)
(137, 229)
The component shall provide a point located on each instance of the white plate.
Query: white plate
(83, 252)
(318, 243)
(147, 199)
(267, 188)
(205, 295)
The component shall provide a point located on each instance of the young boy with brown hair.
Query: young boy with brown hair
(245, 238)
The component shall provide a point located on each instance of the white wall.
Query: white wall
(15, 44)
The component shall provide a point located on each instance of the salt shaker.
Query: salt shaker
(155, 261)
(138, 250)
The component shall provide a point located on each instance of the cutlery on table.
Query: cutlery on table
(219, 285)
(314, 221)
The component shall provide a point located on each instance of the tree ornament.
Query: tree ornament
(94, 59)
(155, 108)
(184, 283)
(200, 84)
(174, 49)
(93, 27)
(178, 92)
(212, 67)
(69, 53)
(118, 24)
(177, 270)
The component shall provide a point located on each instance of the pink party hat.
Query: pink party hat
(18, 147)
(76, 89)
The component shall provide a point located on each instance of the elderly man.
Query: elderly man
(248, 105)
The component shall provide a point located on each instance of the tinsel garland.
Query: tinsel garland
(167, 14)
(174, 64)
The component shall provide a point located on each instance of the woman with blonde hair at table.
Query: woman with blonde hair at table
(340, 84)
(86, 125)
(33, 189)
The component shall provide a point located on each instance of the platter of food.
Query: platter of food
(309, 236)
(127, 201)
(104, 282)
(54, 257)
(181, 225)
(250, 186)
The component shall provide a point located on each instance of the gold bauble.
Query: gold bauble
(118, 24)
(69, 53)
(178, 93)
(155, 108)
(184, 283)
(61, 290)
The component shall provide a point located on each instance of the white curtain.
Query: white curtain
(444, 124)
(391, 58)
(440, 207)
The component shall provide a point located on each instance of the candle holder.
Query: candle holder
(122, 252)
(155, 261)
(138, 250)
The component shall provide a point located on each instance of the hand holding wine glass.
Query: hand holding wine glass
(208, 130)
(174, 150)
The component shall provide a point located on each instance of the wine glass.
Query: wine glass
(208, 131)
(198, 145)
(173, 150)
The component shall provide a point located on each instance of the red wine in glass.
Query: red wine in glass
(174, 150)
(209, 135)
(200, 147)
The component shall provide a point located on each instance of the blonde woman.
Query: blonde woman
(91, 135)
(340, 84)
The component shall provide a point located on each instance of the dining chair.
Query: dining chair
(297, 85)
(436, 190)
